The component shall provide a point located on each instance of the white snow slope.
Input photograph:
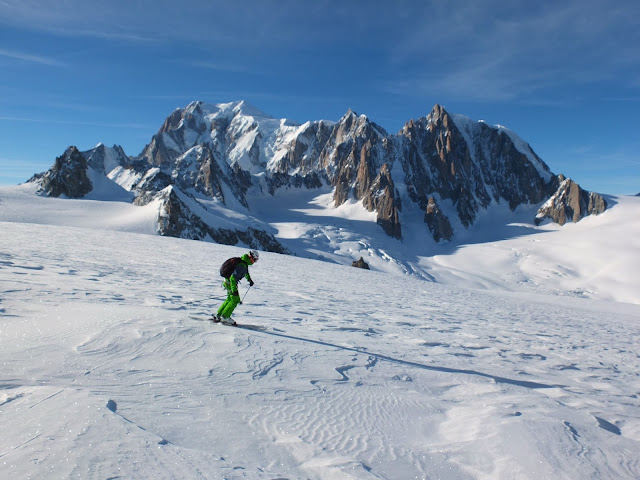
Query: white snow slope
(111, 370)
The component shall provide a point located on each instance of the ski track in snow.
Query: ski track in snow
(110, 370)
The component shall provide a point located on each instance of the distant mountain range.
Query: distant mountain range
(210, 167)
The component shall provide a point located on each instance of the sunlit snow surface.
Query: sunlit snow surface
(110, 369)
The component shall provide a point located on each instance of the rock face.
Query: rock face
(360, 264)
(446, 167)
(570, 203)
(178, 219)
(470, 164)
(67, 176)
(381, 197)
(437, 222)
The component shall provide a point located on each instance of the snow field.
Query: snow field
(110, 369)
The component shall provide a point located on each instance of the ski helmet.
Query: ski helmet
(254, 255)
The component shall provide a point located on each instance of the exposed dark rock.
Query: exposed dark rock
(36, 177)
(360, 264)
(443, 161)
(303, 155)
(309, 181)
(353, 140)
(68, 176)
(382, 198)
(437, 222)
(209, 175)
(176, 219)
(471, 164)
(570, 203)
(176, 136)
(154, 181)
(597, 204)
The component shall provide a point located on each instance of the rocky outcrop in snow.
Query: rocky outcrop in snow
(381, 197)
(182, 217)
(68, 176)
(360, 264)
(437, 222)
(570, 203)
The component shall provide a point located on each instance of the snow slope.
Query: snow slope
(21, 204)
(110, 370)
(598, 257)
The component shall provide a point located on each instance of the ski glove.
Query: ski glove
(251, 282)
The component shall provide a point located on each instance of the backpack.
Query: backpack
(229, 266)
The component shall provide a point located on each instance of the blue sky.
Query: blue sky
(564, 75)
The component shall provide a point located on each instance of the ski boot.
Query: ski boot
(228, 321)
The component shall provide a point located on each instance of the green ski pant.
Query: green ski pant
(233, 298)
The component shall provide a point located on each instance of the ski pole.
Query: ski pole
(245, 294)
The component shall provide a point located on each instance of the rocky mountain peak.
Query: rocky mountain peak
(352, 125)
(104, 159)
(172, 121)
(570, 203)
(438, 116)
(68, 176)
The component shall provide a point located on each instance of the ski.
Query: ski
(246, 326)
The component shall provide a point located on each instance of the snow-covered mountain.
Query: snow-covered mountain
(429, 183)
(517, 359)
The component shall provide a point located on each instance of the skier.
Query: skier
(240, 270)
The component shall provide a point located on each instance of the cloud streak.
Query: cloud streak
(74, 122)
(27, 57)
(218, 67)
(493, 51)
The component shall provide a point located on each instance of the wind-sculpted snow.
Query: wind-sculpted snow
(111, 370)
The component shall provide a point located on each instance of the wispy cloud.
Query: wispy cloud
(218, 67)
(114, 20)
(75, 122)
(27, 57)
(146, 21)
(623, 99)
(504, 52)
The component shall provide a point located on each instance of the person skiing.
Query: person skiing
(234, 270)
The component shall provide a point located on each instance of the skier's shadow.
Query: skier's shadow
(495, 378)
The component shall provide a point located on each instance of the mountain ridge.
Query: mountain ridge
(445, 169)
